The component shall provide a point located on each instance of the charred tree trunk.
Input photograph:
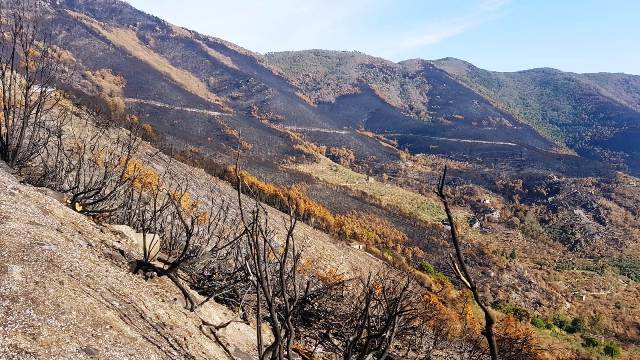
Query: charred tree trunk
(459, 266)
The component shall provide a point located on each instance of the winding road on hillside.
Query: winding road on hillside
(345, 132)
(308, 129)
(485, 142)
(172, 107)
(313, 129)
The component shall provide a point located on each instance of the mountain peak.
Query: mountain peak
(454, 66)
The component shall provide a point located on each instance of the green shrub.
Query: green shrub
(577, 326)
(627, 267)
(564, 234)
(387, 253)
(561, 322)
(570, 326)
(517, 312)
(590, 341)
(611, 349)
(428, 269)
(540, 323)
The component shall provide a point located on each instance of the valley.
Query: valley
(542, 180)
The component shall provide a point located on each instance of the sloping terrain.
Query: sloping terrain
(550, 226)
(414, 101)
(66, 291)
(412, 98)
(594, 114)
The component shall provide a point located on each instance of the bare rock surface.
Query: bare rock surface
(66, 292)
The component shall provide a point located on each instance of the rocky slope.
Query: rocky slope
(66, 291)
(526, 148)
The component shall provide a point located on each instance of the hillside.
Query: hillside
(594, 114)
(415, 102)
(67, 291)
(542, 184)
(400, 100)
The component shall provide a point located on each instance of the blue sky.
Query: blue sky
(502, 35)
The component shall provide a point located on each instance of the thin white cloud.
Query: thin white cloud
(372, 26)
(265, 25)
(401, 29)
(435, 31)
(488, 5)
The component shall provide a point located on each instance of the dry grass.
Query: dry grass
(127, 40)
(422, 207)
(217, 56)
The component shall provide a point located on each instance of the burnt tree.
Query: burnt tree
(29, 70)
(459, 266)
(92, 167)
(273, 263)
(195, 233)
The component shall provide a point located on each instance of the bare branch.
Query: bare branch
(460, 268)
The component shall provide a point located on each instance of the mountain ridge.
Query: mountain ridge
(539, 163)
(401, 85)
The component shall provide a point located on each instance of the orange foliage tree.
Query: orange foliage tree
(341, 155)
(285, 199)
(370, 230)
(517, 341)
